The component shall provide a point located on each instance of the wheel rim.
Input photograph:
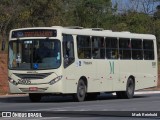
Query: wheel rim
(81, 90)
(131, 87)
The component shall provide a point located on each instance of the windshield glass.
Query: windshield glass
(34, 54)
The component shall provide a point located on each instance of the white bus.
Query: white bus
(80, 62)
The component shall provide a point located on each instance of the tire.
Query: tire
(129, 93)
(35, 97)
(81, 91)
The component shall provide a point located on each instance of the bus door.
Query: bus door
(68, 63)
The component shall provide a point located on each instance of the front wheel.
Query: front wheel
(34, 97)
(81, 91)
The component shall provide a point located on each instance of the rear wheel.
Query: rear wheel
(129, 93)
(81, 91)
(35, 97)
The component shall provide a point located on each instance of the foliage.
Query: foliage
(85, 13)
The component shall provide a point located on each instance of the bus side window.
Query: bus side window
(137, 51)
(112, 48)
(148, 49)
(84, 47)
(125, 48)
(98, 48)
(68, 50)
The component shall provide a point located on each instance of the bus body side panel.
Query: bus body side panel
(81, 68)
(103, 75)
(113, 68)
(70, 79)
(146, 74)
(96, 74)
(88, 69)
(126, 69)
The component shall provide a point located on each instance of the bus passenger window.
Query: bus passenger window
(125, 48)
(84, 47)
(148, 48)
(112, 48)
(80, 54)
(137, 52)
(98, 48)
(68, 50)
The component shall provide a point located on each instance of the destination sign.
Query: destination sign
(34, 33)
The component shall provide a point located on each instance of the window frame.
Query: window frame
(112, 48)
(137, 49)
(148, 50)
(98, 48)
(69, 62)
(84, 48)
(126, 48)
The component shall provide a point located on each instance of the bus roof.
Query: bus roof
(108, 33)
(76, 30)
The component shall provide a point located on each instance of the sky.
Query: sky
(136, 5)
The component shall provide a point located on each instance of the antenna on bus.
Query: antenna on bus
(97, 29)
(74, 27)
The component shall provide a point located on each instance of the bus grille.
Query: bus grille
(39, 90)
(33, 76)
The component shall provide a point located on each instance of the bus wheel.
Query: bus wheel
(129, 93)
(34, 97)
(81, 91)
(130, 87)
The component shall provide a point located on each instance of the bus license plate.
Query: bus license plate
(33, 88)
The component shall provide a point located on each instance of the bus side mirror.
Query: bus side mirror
(3, 45)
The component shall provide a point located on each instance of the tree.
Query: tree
(144, 6)
(92, 13)
(157, 13)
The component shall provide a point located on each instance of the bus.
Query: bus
(82, 62)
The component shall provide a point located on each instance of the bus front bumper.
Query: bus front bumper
(45, 88)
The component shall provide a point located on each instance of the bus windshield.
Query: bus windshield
(34, 54)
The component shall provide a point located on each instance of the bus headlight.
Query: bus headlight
(55, 80)
(12, 81)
